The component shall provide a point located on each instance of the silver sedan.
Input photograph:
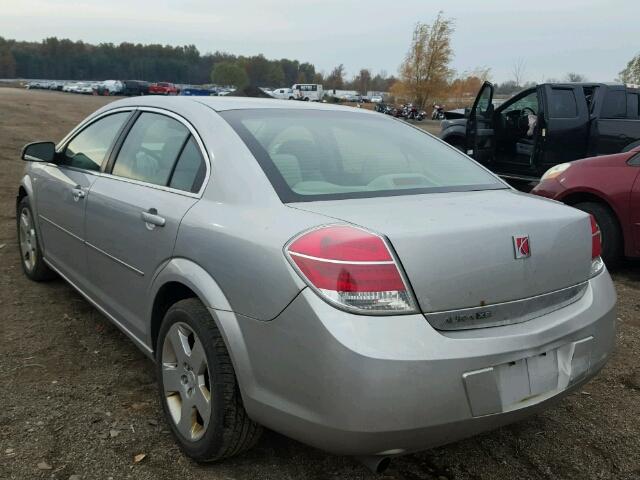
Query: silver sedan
(329, 273)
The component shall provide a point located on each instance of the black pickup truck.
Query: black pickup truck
(546, 125)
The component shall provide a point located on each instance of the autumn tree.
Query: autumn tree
(425, 71)
(631, 73)
(230, 73)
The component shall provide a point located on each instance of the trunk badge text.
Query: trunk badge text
(521, 246)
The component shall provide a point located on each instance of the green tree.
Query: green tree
(631, 73)
(7, 63)
(230, 73)
(335, 80)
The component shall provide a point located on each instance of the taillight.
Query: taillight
(351, 268)
(596, 247)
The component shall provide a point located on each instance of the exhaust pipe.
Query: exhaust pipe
(375, 463)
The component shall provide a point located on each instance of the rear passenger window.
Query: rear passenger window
(151, 148)
(190, 170)
(562, 104)
(633, 110)
(615, 104)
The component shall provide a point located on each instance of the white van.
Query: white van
(307, 92)
(282, 93)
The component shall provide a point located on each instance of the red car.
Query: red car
(163, 88)
(608, 187)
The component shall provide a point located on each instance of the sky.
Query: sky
(595, 38)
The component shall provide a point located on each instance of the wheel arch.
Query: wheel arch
(181, 278)
(575, 197)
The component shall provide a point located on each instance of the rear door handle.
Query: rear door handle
(78, 193)
(151, 217)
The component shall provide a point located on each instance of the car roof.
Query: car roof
(224, 103)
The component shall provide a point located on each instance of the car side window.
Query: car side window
(190, 169)
(615, 104)
(151, 149)
(562, 103)
(88, 149)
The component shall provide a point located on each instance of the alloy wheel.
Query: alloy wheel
(28, 241)
(186, 381)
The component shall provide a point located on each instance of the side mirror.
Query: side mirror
(39, 152)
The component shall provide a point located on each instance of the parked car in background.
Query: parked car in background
(190, 90)
(607, 187)
(71, 87)
(56, 85)
(85, 88)
(546, 125)
(377, 99)
(110, 87)
(135, 87)
(302, 287)
(307, 92)
(283, 94)
(163, 88)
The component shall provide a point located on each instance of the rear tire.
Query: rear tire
(612, 243)
(191, 347)
(29, 244)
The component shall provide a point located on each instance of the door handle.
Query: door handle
(78, 193)
(152, 219)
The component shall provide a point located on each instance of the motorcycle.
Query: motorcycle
(438, 112)
(412, 113)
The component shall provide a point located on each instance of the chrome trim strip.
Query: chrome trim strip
(143, 346)
(115, 259)
(342, 262)
(506, 313)
(61, 228)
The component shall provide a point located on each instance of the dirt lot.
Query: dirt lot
(78, 400)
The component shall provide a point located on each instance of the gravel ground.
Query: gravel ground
(78, 400)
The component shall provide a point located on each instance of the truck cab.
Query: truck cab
(546, 125)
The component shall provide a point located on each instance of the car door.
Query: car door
(617, 124)
(565, 127)
(135, 209)
(479, 129)
(634, 207)
(62, 189)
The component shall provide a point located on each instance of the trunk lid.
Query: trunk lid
(457, 248)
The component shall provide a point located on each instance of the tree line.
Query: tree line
(64, 59)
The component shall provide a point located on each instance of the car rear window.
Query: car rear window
(324, 155)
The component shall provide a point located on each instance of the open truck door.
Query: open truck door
(479, 134)
(565, 127)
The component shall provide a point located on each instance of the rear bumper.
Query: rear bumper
(362, 385)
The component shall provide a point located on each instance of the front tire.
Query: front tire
(31, 257)
(612, 244)
(198, 388)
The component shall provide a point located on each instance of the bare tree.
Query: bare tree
(519, 69)
(575, 77)
(425, 71)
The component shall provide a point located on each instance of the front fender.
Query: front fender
(453, 130)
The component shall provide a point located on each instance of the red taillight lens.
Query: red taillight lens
(596, 239)
(352, 268)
